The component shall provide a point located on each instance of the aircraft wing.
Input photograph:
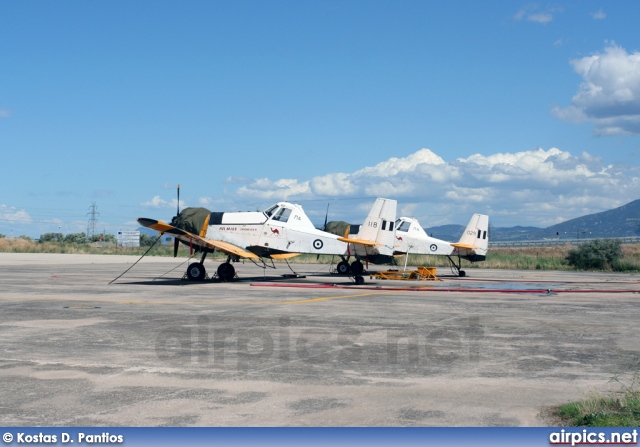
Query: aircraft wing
(190, 238)
(284, 255)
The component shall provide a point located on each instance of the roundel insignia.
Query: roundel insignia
(433, 247)
(317, 244)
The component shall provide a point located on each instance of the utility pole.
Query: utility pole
(93, 219)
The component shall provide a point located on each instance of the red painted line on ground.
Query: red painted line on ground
(440, 289)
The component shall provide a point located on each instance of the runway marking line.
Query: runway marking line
(197, 303)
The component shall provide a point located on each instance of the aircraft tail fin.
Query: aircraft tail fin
(475, 238)
(379, 224)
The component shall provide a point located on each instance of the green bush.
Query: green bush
(600, 254)
(146, 240)
(103, 238)
(51, 237)
(75, 238)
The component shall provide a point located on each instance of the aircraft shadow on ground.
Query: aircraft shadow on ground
(302, 279)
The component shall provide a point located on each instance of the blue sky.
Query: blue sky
(527, 112)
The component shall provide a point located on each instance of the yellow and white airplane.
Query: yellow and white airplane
(410, 238)
(379, 227)
(472, 246)
(282, 231)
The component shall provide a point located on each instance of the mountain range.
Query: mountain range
(623, 221)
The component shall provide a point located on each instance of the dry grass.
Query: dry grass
(527, 258)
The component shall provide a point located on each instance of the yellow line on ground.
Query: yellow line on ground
(326, 298)
(193, 303)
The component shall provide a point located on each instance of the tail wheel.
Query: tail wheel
(462, 273)
(359, 280)
(226, 272)
(343, 267)
(196, 271)
(357, 268)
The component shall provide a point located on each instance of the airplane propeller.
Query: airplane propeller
(325, 219)
(176, 242)
(324, 227)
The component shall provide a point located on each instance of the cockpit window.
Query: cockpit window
(282, 215)
(402, 225)
(270, 211)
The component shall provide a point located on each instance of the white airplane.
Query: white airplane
(282, 231)
(472, 246)
(379, 227)
(410, 238)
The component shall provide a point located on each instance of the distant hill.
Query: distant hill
(452, 233)
(619, 222)
(449, 233)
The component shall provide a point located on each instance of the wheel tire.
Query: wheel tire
(196, 271)
(359, 280)
(343, 267)
(226, 272)
(357, 268)
(462, 274)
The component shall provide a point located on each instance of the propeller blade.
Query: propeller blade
(176, 245)
(178, 205)
(325, 219)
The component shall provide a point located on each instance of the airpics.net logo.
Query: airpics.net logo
(588, 437)
(246, 344)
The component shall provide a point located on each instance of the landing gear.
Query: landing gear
(196, 271)
(456, 267)
(226, 272)
(343, 267)
(357, 268)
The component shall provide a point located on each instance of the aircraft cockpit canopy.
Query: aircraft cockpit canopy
(402, 225)
(279, 213)
(270, 210)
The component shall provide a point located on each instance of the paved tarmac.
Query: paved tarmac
(492, 349)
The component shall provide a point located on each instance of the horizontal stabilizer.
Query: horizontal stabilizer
(359, 242)
(467, 246)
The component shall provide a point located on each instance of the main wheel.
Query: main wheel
(357, 268)
(343, 267)
(226, 272)
(196, 271)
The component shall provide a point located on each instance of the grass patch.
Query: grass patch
(618, 408)
(520, 258)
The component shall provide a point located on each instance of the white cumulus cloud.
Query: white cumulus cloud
(13, 215)
(537, 187)
(158, 202)
(609, 95)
